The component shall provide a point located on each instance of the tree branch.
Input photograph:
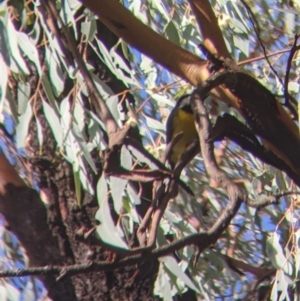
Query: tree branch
(203, 240)
(8, 175)
(122, 22)
(27, 218)
(175, 59)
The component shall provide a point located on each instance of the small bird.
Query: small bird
(181, 119)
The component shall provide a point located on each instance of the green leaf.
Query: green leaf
(23, 96)
(79, 114)
(55, 72)
(242, 43)
(117, 186)
(172, 265)
(102, 189)
(125, 158)
(84, 147)
(289, 24)
(3, 81)
(23, 126)
(65, 113)
(276, 255)
(155, 125)
(36, 31)
(13, 293)
(107, 230)
(293, 87)
(274, 292)
(96, 135)
(141, 158)
(160, 7)
(3, 293)
(29, 50)
(89, 29)
(135, 7)
(54, 123)
(14, 49)
(172, 32)
(84, 177)
(282, 286)
(125, 50)
(280, 182)
(49, 93)
(162, 286)
(119, 63)
(67, 14)
(114, 62)
(4, 44)
(108, 96)
(39, 132)
(162, 99)
(134, 197)
(297, 254)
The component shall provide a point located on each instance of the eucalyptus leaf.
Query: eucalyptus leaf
(54, 123)
(4, 44)
(107, 231)
(125, 158)
(84, 148)
(39, 131)
(13, 293)
(172, 265)
(277, 256)
(3, 81)
(172, 32)
(162, 285)
(102, 189)
(67, 15)
(14, 48)
(55, 72)
(134, 197)
(117, 186)
(23, 96)
(29, 50)
(141, 157)
(49, 93)
(23, 126)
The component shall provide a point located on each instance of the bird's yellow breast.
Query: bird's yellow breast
(182, 122)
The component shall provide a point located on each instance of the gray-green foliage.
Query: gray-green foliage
(258, 238)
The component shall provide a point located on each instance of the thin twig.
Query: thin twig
(261, 57)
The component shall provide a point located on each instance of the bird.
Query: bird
(181, 119)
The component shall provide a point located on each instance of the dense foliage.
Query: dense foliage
(44, 97)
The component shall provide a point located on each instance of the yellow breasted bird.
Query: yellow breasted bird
(181, 119)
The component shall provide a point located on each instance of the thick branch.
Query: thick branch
(125, 25)
(175, 59)
(234, 194)
(27, 218)
(202, 240)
